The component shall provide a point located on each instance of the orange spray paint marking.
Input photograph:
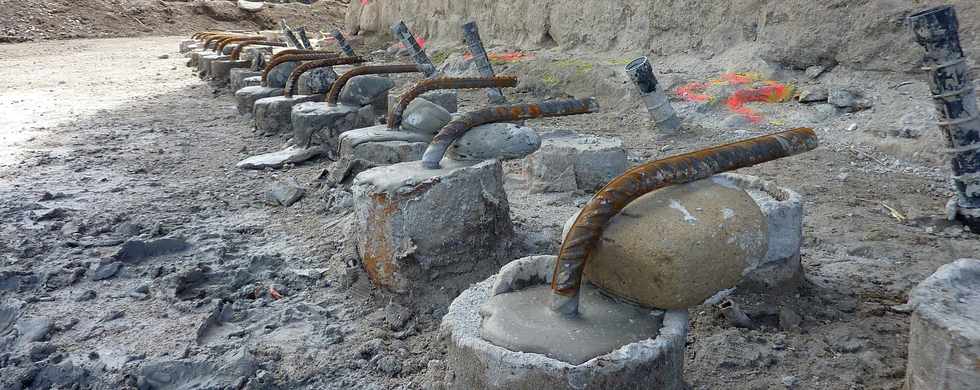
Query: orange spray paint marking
(512, 56)
(750, 89)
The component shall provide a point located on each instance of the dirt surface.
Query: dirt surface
(133, 252)
(28, 20)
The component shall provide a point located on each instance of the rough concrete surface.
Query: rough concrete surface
(273, 115)
(568, 161)
(473, 363)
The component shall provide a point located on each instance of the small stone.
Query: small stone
(290, 155)
(136, 250)
(363, 90)
(788, 319)
(316, 81)
(40, 351)
(389, 365)
(106, 271)
(849, 100)
(824, 112)
(164, 56)
(424, 117)
(790, 381)
(128, 229)
(277, 76)
(396, 316)
(88, 295)
(814, 71)
(33, 329)
(284, 193)
(852, 127)
(502, 141)
(370, 348)
(813, 95)
(49, 214)
(736, 121)
(112, 315)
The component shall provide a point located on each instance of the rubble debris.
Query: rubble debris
(284, 193)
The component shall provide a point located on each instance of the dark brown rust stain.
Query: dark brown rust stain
(642, 179)
(292, 57)
(237, 52)
(291, 83)
(228, 41)
(288, 52)
(215, 38)
(338, 85)
(395, 116)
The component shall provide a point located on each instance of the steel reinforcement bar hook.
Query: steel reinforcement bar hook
(395, 116)
(455, 129)
(642, 179)
(341, 81)
(293, 57)
(293, 80)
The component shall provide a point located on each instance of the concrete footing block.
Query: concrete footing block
(568, 161)
(204, 64)
(315, 123)
(944, 337)
(474, 363)
(780, 270)
(414, 225)
(237, 76)
(246, 97)
(186, 45)
(221, 70)
(273, 114)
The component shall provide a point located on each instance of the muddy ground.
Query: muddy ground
(133, 253)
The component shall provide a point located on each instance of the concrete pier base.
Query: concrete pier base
(316, 123)
(415, 225)
(204, 66)
(280, 74)
(474, 363)
(221, 70)
(272, 114)
(944, 337)
(246, 97)
(568, 161)
(186, 45)
(237, 76)
(369, 147)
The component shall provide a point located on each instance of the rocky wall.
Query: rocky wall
(861, 34)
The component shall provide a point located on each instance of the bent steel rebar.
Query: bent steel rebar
(227, 41)
(471, 33)
(217, 38)
(293, 57)
(395, 115)
(455, 129)
(236, 53)
(955, 98)
(651, 176)
(292, 81)
(418, 54)
(641, 73)
(342, 43)
(300, 51)
(341, 81)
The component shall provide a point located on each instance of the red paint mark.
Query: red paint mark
(365, 2)
(743, 88)
(511, 56)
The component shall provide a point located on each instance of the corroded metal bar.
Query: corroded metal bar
(292, 57)
(955, 98)
(225, 42)
(341, 81)
(217, 38)
(291, 83)
(237, 52)
(395, 116)
(472, 36)
(342, 42)
(418, 54)
(299, 51)
(642, 179)
(515, 112)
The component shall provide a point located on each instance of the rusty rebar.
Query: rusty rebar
(300, 51)
(292, 81)
(216, 38)
(514, 112)
(341, 81)
(395, 115)
(292, 57)
(237, 52)
(227, 41)
(651, 176)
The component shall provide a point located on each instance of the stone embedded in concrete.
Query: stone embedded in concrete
(413, 225)
(944, 336)
(447, 99)
(389, 152)
(780, 269)
(567, 161)
(246, 97)
(185, 45)
(314, 123)
(290, 155)
(503, 141)
(250, 52)
(474, 363)
(677, 246)
(366, 89)
(424, 117)
(237, 76)
(221, 70)
(253, 81)
(273, 115)
(280, 74)
(316, 81)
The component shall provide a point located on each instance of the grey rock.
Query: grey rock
(40, 351)
(246, 97)
(278, 75)
(314, 123)
(88, 295)
(814, 71)
(106, 271)
(849, 100)
(790, 381)
(824, 112)
(424, 117)
(736, 121)
(363, 90)
(112, 315)
(49, 214)
(284, 193)
(389, 365)
(33, 329)
(128, 229)
(396, 316)
(316, 81)
(813, 95)
(290, 155)
(136, 250)
(504, 141)
(273, 114)
(370, 348)
(788, 319)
